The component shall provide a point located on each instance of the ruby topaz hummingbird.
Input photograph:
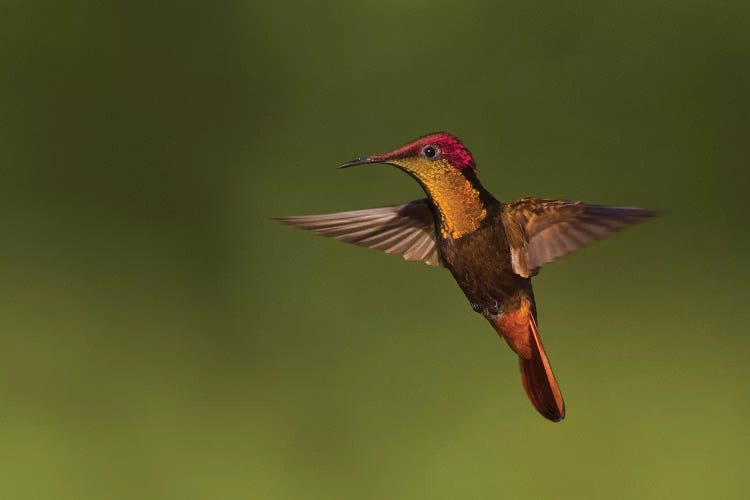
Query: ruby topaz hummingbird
(491, 248)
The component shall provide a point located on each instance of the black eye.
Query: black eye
(430, 152)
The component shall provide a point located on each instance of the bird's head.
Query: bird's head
(425, 157)
(446, 171)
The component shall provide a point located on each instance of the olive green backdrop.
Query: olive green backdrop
(162, 338)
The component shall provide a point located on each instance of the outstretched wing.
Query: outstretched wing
(407, 229)
(541, 230)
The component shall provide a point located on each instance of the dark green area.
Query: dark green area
(161, 338)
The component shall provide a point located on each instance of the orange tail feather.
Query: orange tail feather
(539, 381)
(519, 329)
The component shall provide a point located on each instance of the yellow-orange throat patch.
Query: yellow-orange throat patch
(456, 199)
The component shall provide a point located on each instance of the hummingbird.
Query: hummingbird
(491, 248)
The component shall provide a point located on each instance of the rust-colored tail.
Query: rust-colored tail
(538, 379)
(519, 329)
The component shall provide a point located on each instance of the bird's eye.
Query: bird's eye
(431, 152)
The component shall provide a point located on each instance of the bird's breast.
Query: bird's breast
(480, 262)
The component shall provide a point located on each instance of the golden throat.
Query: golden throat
(461, 210)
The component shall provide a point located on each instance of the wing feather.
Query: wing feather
(420, 250)
(407, 229)
(542, 229)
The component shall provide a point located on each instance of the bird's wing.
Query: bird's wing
(541, 230)
(407, 229)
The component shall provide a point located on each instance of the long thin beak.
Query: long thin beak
(360, 161)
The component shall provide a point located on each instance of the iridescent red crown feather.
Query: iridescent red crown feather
(451, 148)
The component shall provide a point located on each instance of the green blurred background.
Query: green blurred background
(162, 338)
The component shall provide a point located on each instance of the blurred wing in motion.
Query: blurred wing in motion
(541, 230)
(407, 229)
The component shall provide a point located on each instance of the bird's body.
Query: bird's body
(492, 249)
(482, 268)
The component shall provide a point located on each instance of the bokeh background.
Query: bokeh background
(161, 338)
